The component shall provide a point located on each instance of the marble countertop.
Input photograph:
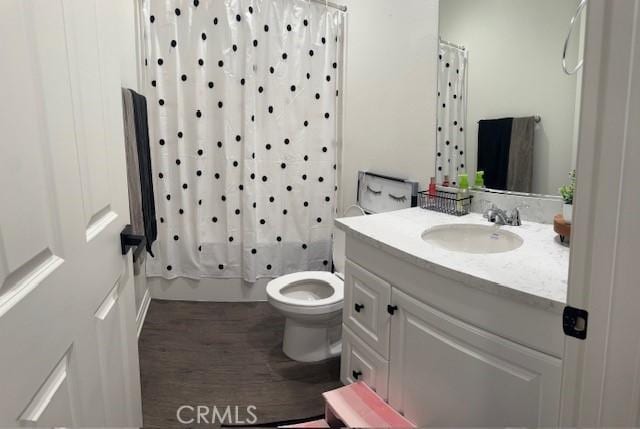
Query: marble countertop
(535, 273)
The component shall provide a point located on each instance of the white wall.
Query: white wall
(390, 84)
(515, 49)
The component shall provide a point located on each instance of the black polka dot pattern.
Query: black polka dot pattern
(450, 135)
(243, 106)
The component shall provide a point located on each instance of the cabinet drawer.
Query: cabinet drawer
(366, 297)
(360, 363)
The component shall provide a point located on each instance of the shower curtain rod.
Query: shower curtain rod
(462, 48)
(340, 7)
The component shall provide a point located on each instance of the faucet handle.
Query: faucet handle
(488, 207)
(515, 217)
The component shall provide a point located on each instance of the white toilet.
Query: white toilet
(312, 303)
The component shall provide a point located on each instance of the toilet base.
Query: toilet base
(305, 342)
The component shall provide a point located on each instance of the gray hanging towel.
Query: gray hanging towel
(494, 139)
(133, 169)
(520, 171)
(144, 164)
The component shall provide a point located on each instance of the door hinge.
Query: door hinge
(391, 309)
(574, 322)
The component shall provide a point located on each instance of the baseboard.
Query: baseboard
(210, 290)
(142, 311)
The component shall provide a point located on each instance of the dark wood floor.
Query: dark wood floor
(197, 353)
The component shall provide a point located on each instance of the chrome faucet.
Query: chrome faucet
(501, 217)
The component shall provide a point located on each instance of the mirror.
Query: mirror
(505, 105)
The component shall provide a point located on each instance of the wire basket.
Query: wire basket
(449, 202)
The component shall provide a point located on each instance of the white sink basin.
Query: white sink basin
(471, 238)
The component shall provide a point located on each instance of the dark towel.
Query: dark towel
(494, 141)
(144, 163)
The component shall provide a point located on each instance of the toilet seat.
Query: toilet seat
(305, 302)
(311, 303)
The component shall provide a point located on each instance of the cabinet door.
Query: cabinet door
(360, 363)
(444, 372)
(366, 297)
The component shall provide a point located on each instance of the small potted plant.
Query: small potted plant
(567, 191)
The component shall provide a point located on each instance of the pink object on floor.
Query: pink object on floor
(357, 406)
(322, 423)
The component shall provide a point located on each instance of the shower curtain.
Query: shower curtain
(452, 113)
(243, 106)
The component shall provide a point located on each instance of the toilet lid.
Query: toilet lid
(277, 289)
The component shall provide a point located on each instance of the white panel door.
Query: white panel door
(68, 350)
(601, 378)
(446, 373)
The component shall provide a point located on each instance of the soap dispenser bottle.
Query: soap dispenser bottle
(463, 193)
(432, 189)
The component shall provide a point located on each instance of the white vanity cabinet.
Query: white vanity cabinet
(444, 353)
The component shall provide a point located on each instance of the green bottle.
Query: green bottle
(463, 193)
(479, 182)
(463, 181)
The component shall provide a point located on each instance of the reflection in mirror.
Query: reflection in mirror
(505, 106)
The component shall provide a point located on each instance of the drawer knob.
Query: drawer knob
(356, 374)
(358, 307)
